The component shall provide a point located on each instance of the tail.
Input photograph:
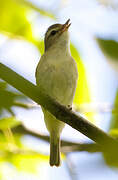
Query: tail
(54, 150)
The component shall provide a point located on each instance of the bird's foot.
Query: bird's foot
(69, 107)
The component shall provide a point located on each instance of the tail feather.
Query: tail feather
(54, 151)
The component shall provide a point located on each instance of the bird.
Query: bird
(57, 74)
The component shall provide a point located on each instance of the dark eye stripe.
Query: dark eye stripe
(53, 32)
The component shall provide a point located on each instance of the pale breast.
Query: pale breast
(58, 79)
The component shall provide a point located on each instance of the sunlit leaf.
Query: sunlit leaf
(15, 22)
(21, 162)
(114, 119)
(7, 146)
(113, 159)
(20, 156)
(13, 19)
(8, 122)
(82, 95)
(23, 167)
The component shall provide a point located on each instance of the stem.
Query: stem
(59, 111)
(66, 146)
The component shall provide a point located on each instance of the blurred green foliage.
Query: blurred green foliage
(12, 151)
(17, 24)
(8, 122)
(35, 159)
(45, 13)
(13, 19)
(113, 131)
(114, 119)
(109, 48)
(16, 155)
(9, 98)
(82, 95)
(14, 22)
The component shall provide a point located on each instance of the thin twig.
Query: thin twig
(26, 105)
(66, 146)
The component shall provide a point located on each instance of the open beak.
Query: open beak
(65, 26)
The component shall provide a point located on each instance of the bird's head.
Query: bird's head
(57, 33)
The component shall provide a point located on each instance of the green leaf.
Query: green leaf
(9, 98)
(19, 156)
(109, 48)
(22, 162)
(82, 95)
(8, 122)
(13, 19)
(114, 119)
(6, 100)
(27, 166)
(3, 85)
(15, 22)
(113, 131)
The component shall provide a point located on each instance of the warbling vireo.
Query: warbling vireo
(57, 74)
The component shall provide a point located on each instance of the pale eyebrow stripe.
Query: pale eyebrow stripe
(51, 28)
(49, 32)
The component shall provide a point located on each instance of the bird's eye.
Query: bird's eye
(53, 32)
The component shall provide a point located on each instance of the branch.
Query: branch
(61, 112)
(87, 147)
(25, 106)
(66, 146)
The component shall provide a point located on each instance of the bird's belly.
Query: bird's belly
(59, 84)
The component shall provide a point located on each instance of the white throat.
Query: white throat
(61, 46)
